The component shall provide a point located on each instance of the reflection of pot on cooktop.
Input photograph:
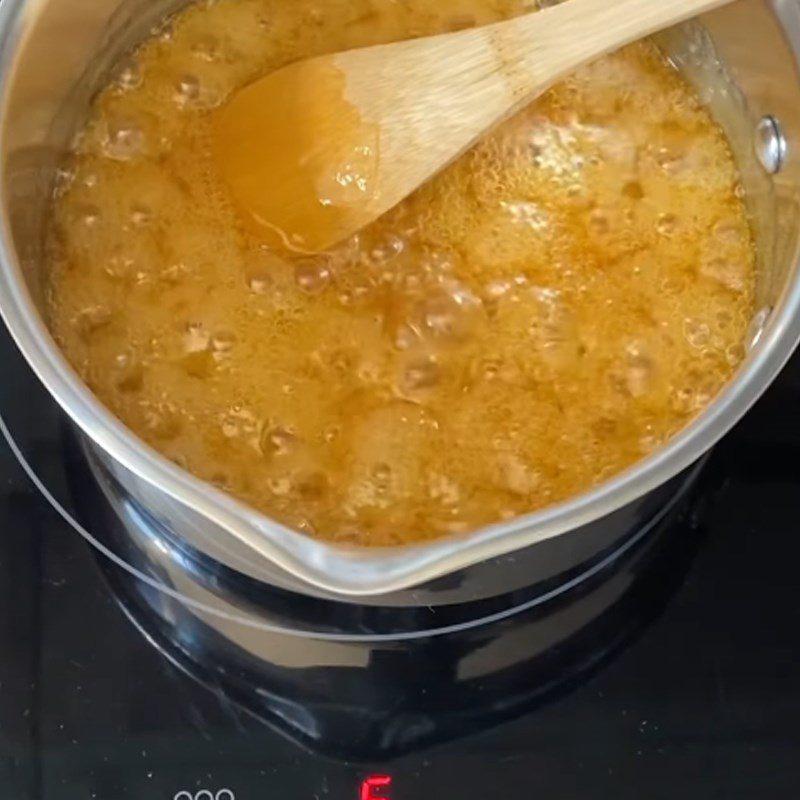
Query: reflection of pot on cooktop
(369, 701)
(371, 684)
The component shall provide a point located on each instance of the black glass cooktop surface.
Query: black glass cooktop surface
(684, 685)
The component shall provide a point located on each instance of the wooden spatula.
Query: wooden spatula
(319, 149)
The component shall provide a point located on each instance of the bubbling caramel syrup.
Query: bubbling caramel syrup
(547, 311)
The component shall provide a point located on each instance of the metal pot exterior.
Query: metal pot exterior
(52, 55)
(139, 504)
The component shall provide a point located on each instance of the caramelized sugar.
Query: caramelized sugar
(550, 309)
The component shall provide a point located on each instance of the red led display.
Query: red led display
(375, 787)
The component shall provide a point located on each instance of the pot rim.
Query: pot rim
(359, 571)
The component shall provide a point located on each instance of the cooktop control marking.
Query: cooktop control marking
(205, 794)
(375, 787)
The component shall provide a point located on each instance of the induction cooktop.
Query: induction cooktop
(673, 674)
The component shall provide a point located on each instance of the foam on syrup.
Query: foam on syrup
(548, 310)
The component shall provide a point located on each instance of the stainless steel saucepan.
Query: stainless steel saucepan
(53, 56)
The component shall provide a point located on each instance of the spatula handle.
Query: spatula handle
(579, 31)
